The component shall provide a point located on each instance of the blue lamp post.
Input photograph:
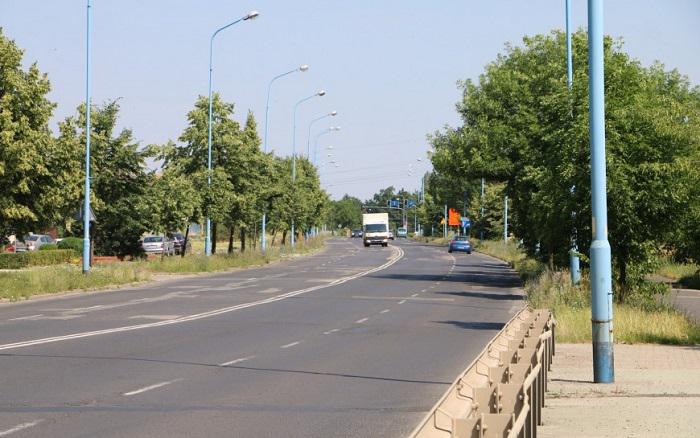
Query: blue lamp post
(249, 16)
(301, 68)
(320, 93)
(574, 263)
(601, 275)
(86, 204)
(308, 135)
(324, 132)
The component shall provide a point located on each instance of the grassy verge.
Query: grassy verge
(686, 274)
(16, 285)
(21, 284)
(572, 309)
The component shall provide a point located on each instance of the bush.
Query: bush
(74, 243)
(48, 247)
(13, 260)
(45, 258)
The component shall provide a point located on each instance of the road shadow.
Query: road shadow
(485, 295)
(474, 325)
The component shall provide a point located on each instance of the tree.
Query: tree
(345, 213)
(118, 181)
(522, 126)
(39, 178)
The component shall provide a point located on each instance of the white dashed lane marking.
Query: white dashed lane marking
(385, 311)
(20, 427)
(360, 321)
(151, 387)
(291, 344)
(235, 361)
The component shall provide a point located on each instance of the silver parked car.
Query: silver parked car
(158, 245)
(33, 242)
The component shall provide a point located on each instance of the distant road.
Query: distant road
(352, 341)
(687, 300)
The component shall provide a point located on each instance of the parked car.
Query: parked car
(356, 233)
(33, 242)
(179, 241)
(460, 244)
(391, 235)
(402, 232)
(158, 245)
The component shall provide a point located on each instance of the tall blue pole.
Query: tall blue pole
(482, 210)
(267, 112)
(294, 147)
(308, 134)
(601, 275)
(86, 204)
(251, 15)
(505, 221)
(574, 263)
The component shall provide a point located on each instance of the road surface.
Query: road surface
(347, 342)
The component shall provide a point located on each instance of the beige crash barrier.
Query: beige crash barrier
(501, 394)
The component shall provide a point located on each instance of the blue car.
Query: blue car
(460, 244)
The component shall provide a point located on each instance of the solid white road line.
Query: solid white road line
(291, 344)
(156, 317)
(242, 359)
(385, 311)
(360, 321)
(148, 388)
(398, 254)
(402, 301)
(20, 427)
(414, 295)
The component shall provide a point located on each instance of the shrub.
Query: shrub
(45, 258)
(74, 243)
(13, 260)
(48, 247)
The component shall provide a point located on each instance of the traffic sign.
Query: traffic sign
(466, 223)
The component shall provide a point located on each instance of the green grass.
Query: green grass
(571, 305)
(16, 285)
(221, 262)
(21, 284)
(685, 274)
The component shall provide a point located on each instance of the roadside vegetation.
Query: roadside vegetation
(643, 318)
(21, 284)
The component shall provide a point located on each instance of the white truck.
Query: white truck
(375, 228)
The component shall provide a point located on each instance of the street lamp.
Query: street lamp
(302, 69)
(86, 204)
(319, 93)
(249, 16)
(308, 135)
(325, 131)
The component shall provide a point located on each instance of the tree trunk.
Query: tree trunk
(242, 239)
(213, 237)
(284, 237)
(254, 237)
(184, 243)
(230, 241)
(274, 235)
(622, 266)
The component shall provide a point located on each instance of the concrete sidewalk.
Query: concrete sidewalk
(656, 393)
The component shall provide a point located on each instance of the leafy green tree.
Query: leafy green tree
(345, 213)
(522, 126)
(39, 178)
(118, 181)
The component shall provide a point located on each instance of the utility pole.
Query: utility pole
(505, 221)
(444, 226)
(482, 210)
(601, 275)
(574, 264)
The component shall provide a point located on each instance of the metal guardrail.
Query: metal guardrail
(501, 393)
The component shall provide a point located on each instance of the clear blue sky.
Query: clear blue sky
(389, 66)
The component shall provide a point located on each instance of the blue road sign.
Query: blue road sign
(466, 223)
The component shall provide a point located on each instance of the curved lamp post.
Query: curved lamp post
(301, 68)
(319, 93)
(249, 16)
(308, 135)
(325, 131)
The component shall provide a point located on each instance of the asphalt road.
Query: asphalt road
(687, 301)
(347, 342)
